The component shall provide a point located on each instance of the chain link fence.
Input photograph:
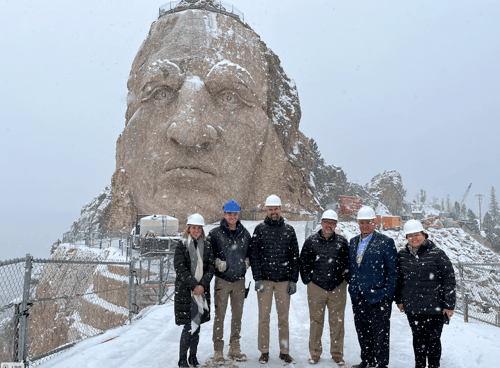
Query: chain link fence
(478, 291)
(48, 305)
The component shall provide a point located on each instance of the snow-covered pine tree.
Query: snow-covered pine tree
(493, 208)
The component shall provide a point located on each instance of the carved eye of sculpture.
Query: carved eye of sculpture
(230, 99)
(164, 94)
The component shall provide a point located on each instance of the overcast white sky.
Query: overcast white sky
(383, 85)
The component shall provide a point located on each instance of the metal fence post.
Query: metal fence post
(160, 292)
(23, 338)
(131, 290)
(466, 308)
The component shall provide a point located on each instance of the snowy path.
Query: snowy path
(153, 340)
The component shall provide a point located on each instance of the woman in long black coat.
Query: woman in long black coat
(194, 268)
(425, 292)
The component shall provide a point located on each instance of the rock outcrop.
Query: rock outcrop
(94, 216)
(388, 189)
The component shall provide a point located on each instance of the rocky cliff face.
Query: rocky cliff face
(94, 216)
(388, 189)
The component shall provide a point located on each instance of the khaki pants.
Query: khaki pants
(223, 290)
(335, 300)
(282, 300)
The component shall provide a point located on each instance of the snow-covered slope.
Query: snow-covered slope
(153, 338)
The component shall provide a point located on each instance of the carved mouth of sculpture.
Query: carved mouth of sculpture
(180, 169)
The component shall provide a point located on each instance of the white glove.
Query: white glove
(221, 265)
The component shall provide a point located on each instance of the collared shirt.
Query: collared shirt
(363, 243)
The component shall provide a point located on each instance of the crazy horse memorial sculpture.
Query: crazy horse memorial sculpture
(211, 116)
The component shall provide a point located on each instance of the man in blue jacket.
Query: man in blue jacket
(373, 277)
(230, 243)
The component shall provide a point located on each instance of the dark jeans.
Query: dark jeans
(372, 323)
(426, 330)
(188, 342)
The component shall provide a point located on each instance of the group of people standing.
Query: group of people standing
(420, 279)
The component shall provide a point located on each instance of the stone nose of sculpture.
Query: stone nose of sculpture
(191, 123)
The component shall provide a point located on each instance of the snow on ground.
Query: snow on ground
(152, 340)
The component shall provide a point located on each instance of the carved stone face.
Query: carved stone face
(196, 121)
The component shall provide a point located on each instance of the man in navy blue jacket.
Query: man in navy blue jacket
(373, 278)
(230, 243)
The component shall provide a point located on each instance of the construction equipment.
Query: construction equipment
(388, 222)
(349, 207)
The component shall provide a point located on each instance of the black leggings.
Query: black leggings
(426, 330)
(188, 342)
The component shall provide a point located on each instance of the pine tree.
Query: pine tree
(423, 196)
(472, 221)
(490, 230)
(463, 212)
(442, 204)
(493, 208)
(455, 212)
(448, 204)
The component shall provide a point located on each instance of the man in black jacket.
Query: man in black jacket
(230, 243)
(324, 265)
(274, 254)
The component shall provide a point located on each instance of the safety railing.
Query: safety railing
(478, 291)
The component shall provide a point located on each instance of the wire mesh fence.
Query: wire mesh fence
(478, 291)
(11, 295)
(48, 305)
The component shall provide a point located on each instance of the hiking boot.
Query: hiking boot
(286, 358)
(219, 357)
(314, 359)
(264, 358)
(183, 363)
(236, 354)
(339, 360)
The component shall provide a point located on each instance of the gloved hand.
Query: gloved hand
(221, 265)
(292, 288)
(247, 263)
(259, 285)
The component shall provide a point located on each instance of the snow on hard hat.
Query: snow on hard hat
(413, 226)
(366, 213)
(273, 200)
(330, 215)
(196, 219)
(231, 206)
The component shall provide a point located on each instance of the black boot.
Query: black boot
(193, 349)
(193, 362)
(184, 347)
(183, 363)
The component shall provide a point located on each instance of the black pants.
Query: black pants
(426, 330)
(372, 323)
(188, 342)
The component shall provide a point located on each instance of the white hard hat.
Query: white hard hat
(366, 213)
(413, 226)
(273, 200)
(330, 215)
(196, 219)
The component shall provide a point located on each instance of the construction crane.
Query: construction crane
(466, 194)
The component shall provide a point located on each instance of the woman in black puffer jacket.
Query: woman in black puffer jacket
(194, 268)
(425, 292)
